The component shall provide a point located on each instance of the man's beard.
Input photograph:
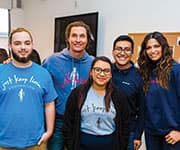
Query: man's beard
(21, 59)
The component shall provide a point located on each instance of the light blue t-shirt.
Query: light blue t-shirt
(94, 118)
(23, 94)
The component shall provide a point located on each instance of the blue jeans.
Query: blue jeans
(154, 142)
(131, 141)
(56, 141)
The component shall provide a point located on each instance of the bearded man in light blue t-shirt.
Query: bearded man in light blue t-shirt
(26, 98)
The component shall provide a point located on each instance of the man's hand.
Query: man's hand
(173, 137)
(44, 138)
(7, 61)
(137, 144)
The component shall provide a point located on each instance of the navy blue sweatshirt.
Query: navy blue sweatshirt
(130, 82)
(162, 107)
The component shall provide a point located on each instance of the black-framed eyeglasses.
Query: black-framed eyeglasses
(127, 50)
(99, 70)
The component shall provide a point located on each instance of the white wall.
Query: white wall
(17, 18)
(4, 40)
(115, 17)
(5, 4)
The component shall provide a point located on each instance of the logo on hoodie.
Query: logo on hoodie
(74, 77)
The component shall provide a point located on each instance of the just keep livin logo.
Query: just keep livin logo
(21, 95)
(16, 82)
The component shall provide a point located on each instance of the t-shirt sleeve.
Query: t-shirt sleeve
(50, 92)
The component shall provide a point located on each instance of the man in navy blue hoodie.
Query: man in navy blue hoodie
(128, 80)
(68, 68)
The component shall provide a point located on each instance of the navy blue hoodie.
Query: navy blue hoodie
(162, 107)
(130, 82)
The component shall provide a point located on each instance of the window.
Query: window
(4, 25)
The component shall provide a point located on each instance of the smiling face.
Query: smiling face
(122, 54)
(77, 40)
(101, 73)
(21, 47)
(153, 49)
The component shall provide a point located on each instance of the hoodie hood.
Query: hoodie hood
(66, 55)
(77, 64)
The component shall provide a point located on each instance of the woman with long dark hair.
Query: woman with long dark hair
(97, 114)
(161, 76)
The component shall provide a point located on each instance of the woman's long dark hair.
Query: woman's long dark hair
(3, 55)
(162, 66)
(88, 83)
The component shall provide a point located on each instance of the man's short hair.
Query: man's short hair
(124, 38)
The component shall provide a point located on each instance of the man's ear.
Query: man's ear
(9, 46)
